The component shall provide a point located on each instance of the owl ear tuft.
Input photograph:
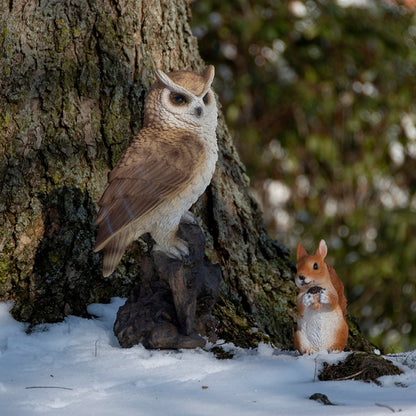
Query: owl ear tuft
(163, 78)
(208, 75)
(168, 83)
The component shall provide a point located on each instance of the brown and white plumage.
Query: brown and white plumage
(165, 169)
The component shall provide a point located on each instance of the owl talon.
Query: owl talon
(178, 249)
(189, 218)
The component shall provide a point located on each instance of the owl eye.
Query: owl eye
(315, 266)
(205, 99)
(178, 98)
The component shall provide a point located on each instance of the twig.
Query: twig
(387, 407)
(350, 376)
(48, 387)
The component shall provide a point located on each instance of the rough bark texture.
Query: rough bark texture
(73, 77)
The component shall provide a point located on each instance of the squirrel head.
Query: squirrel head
(311, 269)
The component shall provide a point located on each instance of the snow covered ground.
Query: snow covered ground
(77, 368)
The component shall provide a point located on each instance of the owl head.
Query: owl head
(183, 99)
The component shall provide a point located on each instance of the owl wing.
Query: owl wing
(152, 171)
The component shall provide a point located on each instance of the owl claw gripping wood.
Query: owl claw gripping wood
(165, 169)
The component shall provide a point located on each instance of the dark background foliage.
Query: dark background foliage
(321, 101)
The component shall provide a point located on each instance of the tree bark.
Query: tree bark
(73, 77)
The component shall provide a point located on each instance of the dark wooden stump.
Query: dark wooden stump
(171, 308)
(360, 366)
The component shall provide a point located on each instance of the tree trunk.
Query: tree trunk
(73, 77)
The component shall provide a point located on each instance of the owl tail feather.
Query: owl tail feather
(113, 252)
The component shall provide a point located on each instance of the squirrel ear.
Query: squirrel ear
(300, 251)
(322, 249)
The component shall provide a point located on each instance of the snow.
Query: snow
(77, 368)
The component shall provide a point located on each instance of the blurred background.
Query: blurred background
(320, 97)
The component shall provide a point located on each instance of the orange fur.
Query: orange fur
(321, 303)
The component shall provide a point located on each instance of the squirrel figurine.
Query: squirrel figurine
(321, 304)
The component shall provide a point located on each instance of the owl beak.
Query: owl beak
(198, 111)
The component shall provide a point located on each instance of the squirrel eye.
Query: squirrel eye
(315, 266)
(205, 99)
(178, 98)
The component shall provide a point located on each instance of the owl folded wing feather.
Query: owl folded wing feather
(150, 173)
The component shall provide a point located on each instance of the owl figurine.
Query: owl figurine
(164, 170)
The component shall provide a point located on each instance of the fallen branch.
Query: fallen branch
(48, 387)
(387, 407)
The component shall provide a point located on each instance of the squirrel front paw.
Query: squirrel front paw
(311, 301)
(308, 299)
(323, 297)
